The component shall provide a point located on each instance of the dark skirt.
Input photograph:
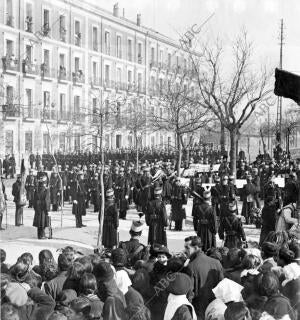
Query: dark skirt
(41, 219)
(110, 235)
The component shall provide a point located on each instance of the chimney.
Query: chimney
(138, 19)
(116, 10)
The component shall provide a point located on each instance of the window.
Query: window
(119, 47)
(9, 13)
(28, 107)
(9, 94)
(107, 42)
(177, 61)
(95, 115)
(106, 139)
(119, 76)
(46, 143)
(152, 141)
(139, 82)
(45, 67)
(46, 105)
(95, 39)
(106, 110)
(129, 77)
(62, 106)
(46, 57)
(160, 56)
(118, 115)
(28, 142)
(28, 50)
(95, 143)
(62, 141)
(139, 53)
(76, 105)
(95, 73)
(9, 48)
(184, 63)
(129, 49)
(169, 60)
(152, 55)
(152, 83)
(28, 19)
(9, 142)
(77, 33)
(107, 73)
(62, 28)
(118, 141)
(46, 22)
(76, 64)
(61, 60)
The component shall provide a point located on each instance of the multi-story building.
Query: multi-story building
(62, 61)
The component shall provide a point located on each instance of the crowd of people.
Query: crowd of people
(131, 280)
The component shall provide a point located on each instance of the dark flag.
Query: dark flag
(287, 85)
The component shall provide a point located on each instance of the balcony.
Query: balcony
(95, 46)
(46, 30)
(9, 63)
(109, 84)
(10, 20)
(153, 64)
(64, 116)
(28, 24)
(121, 86)
(30, 68)
(77, 39)
(28, 113)
(141, 89)
(48, 114)
(11, 110)
(95, 81)
(78, 77)
(63, 34)
(78, 117)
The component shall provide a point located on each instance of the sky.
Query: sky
(260, 18)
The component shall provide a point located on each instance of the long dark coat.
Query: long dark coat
(145, 193)
(30, 184)
(110, 225)
(41, 205)
(178, 199)
(157, 220)
(55, 189)
(268, 216)
(122, 189)
(79, 194)
(231, 228)
(248, 191)
(206, 225)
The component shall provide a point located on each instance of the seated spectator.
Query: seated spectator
(88, 289)
(74, 275)
(277, 305)
(237, 311)
(4, 267)
(47, 268)
(269, 250)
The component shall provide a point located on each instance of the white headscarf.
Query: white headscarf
(123, 281)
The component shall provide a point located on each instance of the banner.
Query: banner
(240, 183)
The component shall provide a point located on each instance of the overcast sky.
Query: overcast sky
(261, 19)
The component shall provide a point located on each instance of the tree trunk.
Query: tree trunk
(233, 144)
(100, 231)
(222, 139)
(179, 147)
(137, 153)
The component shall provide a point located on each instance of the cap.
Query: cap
(137, 226)
(160, 249)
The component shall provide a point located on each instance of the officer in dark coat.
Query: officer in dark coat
(145, 193)
(248, 196)
(122, 188)
(157, 219)
(41, 204)
(224, 196)
(6, 166)
(178, 199)
(95, 192)
(134, 249)
(55, 190)
(12, 162)
(110, 222)
(291, 189)
(206, 222)
(196, 200)
(79, 198)
(16, 187)
(231, 228)
(30, 185)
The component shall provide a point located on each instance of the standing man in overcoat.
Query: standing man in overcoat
(79, 198)
(55, 190)
(16, 187)
(41, 204)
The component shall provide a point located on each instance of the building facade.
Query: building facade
(62, 62)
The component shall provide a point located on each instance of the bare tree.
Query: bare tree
(173, 108)
(231, 91)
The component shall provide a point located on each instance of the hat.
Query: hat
(109, 193)
(269, 248)
(180, 284)
(103, 271)
(16, 294)
(228, 291)
(157, 191)
(160, 249)
(137, 226)
(206, 194)
(118, 257)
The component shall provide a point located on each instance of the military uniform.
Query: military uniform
(178, 199)
(55, 191)
(30, 185)
(157, 220)
(110, 223)
(145, 193)
(95, 193)
(79, 198)
(41, 204)
(248, 196)
(122, 188)
(16, 187)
